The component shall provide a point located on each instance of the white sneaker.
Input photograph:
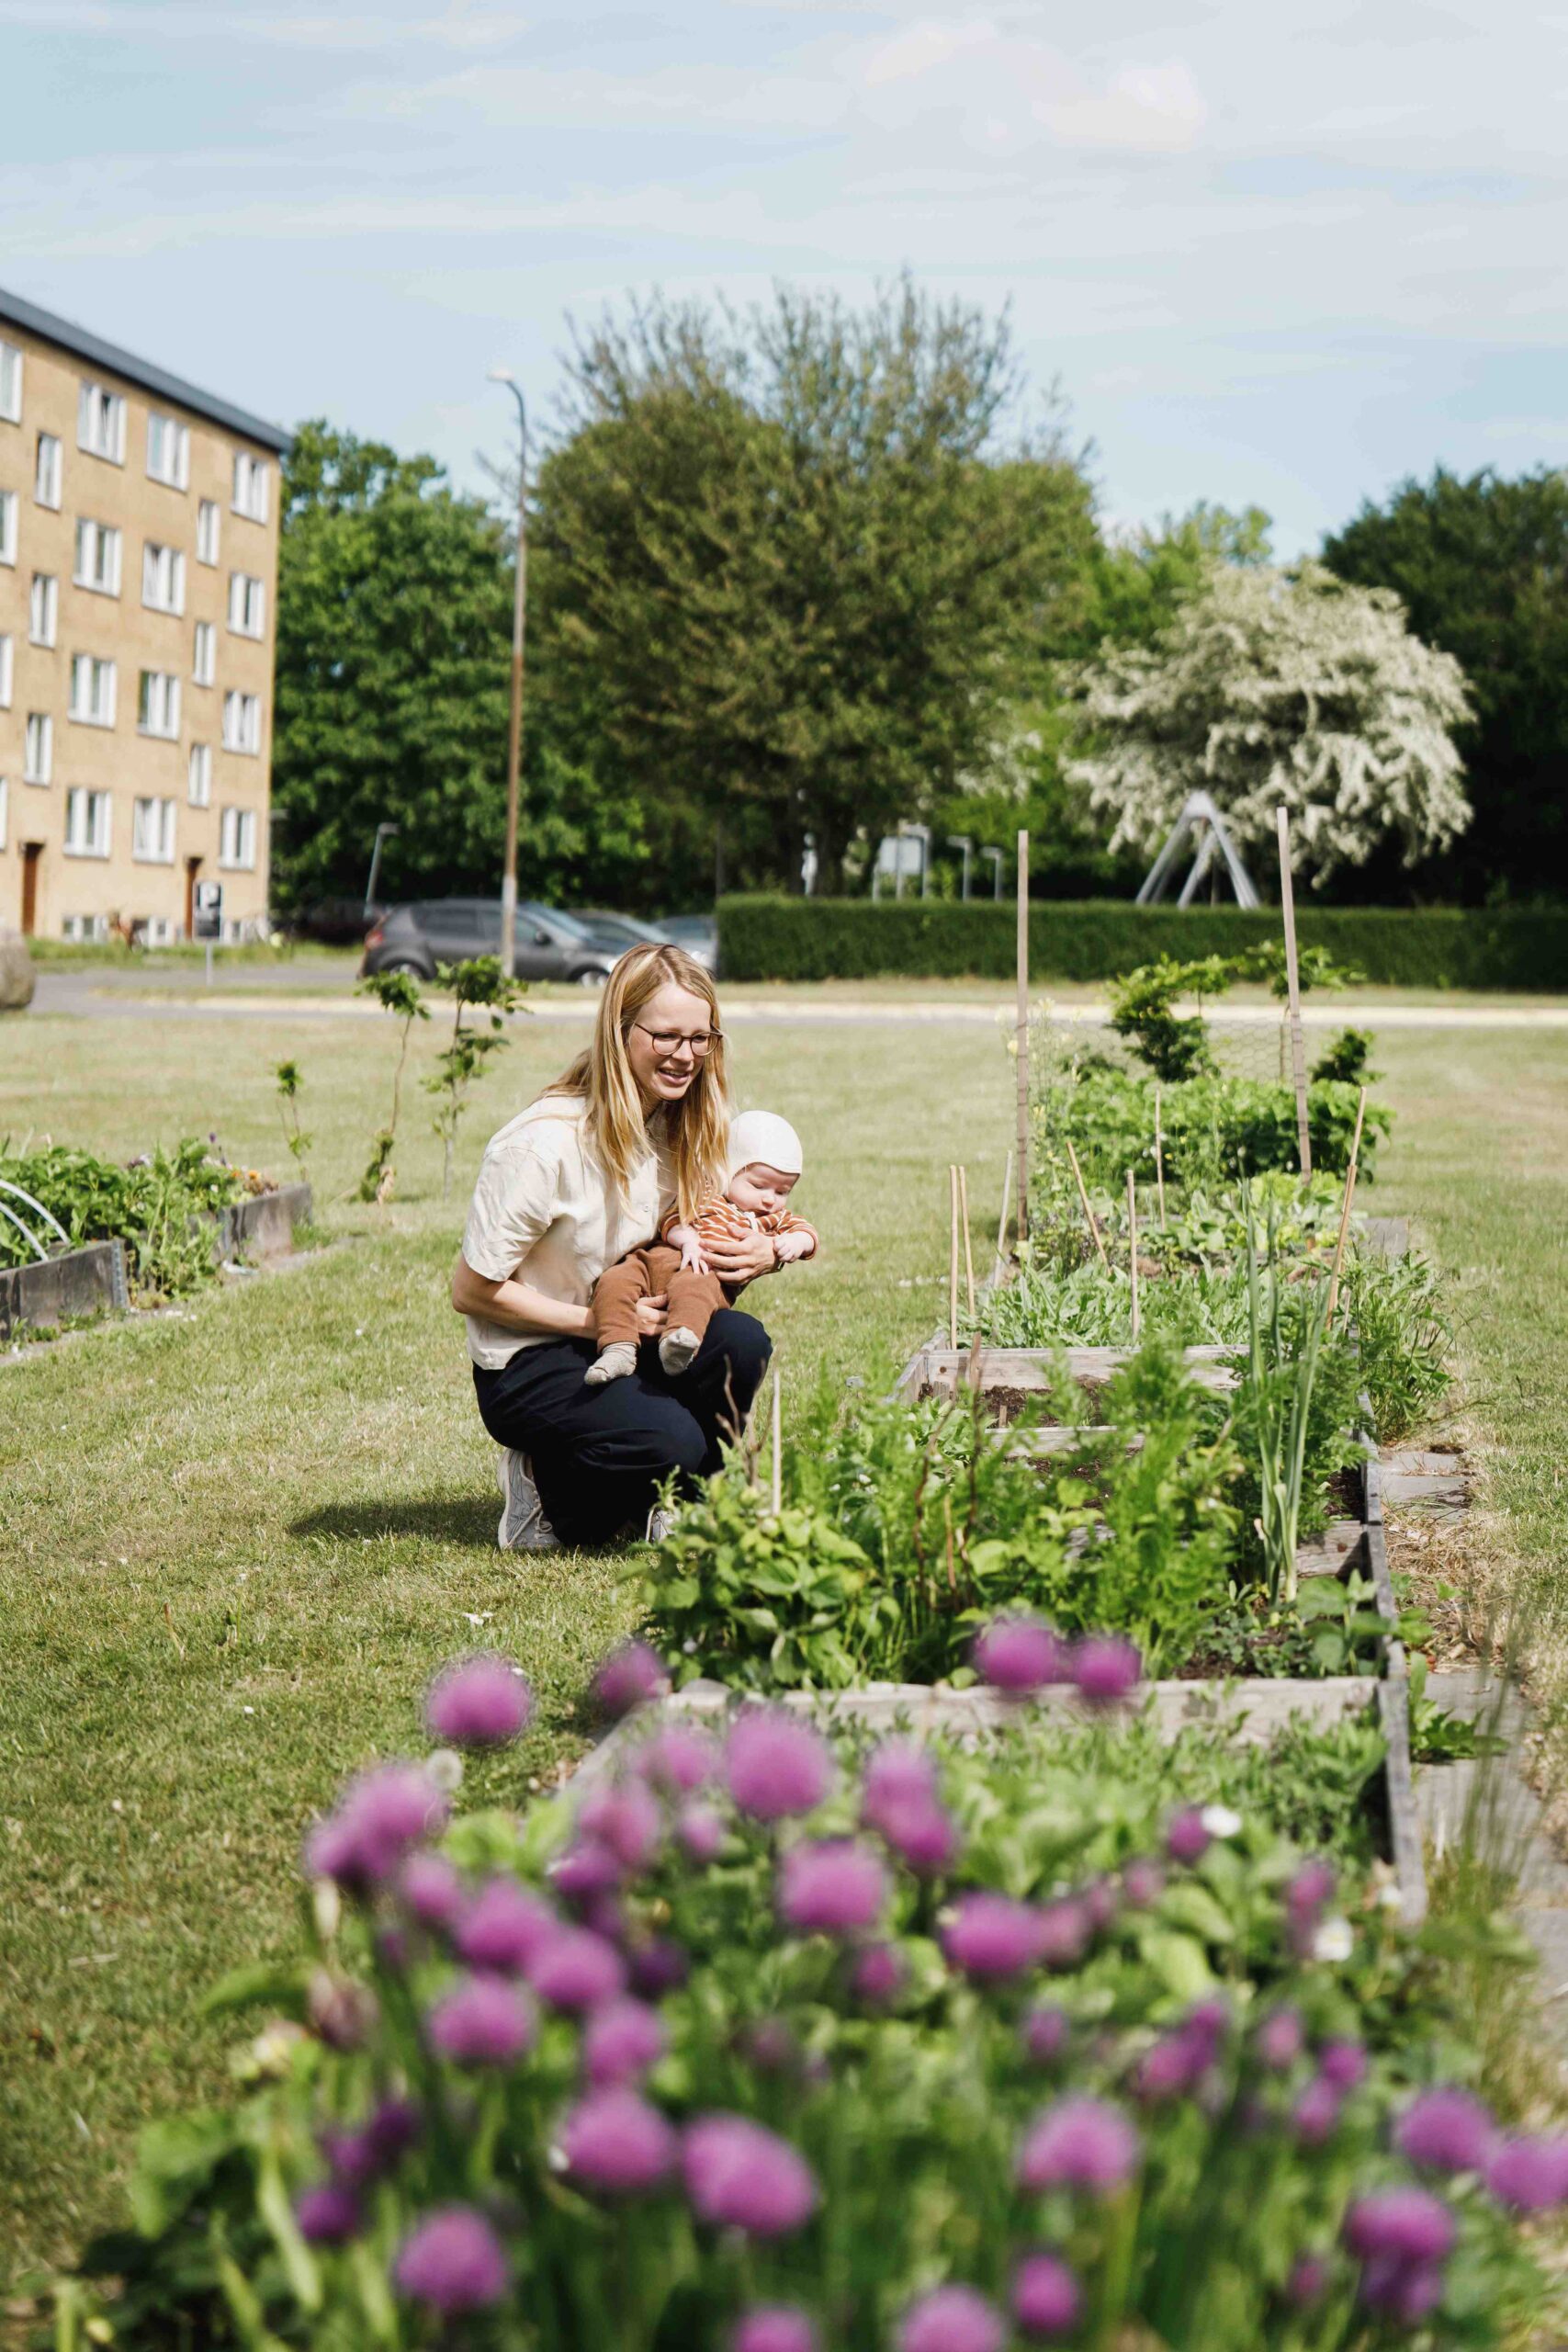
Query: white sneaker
(524, 1526)
(676, 1350)
(660, 1524)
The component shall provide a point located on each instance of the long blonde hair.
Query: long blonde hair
(695, 1128)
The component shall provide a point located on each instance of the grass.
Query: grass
(234, 1542)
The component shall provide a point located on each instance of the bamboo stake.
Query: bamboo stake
(952, 1257)
(1000, 1266)
(777, 1447)
(968, 1247)
(1159, 1156)
(1345, 1212)
(1022, 1172)
(1293, 983)
(1089, 1213)
(1132, 1247)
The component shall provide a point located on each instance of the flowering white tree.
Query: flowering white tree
(1280, 688)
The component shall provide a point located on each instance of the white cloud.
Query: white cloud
(458, 27)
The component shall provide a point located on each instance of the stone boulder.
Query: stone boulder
(17, 979)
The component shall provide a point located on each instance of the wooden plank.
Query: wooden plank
(1023, 1144)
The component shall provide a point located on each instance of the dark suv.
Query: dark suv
(549, 946)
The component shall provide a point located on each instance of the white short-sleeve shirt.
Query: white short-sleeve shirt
(545, 1213)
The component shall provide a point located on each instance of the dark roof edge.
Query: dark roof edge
(77, 340)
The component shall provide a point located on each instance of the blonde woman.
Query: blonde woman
(633, 1131)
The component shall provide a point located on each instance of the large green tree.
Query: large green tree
(1480, 566)
(798, 569)
(394, 635)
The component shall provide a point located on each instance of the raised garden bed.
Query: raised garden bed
(263, 1226)
(69, 1288)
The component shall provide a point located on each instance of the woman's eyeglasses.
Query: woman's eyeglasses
(669, 1042)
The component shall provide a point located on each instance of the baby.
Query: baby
(763, 1163)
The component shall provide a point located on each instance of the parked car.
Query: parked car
(698, 935)
(549, 946)
(337, 922)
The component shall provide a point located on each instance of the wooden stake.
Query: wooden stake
(1292, 982)
(1023, 1169)
(968, 1247)
(1089, 1213)
(998, 1268)
(1132, 1247)
(1345, 1212)
(1159, 1156)
(777, 1446)
(952, 1256)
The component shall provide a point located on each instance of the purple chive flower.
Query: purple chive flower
(1173, 2066)
(952, 2319)
(990, 1936)
(631, 1675)
(327, 2215)
(739, 2176)
(504, 1927)
(615, 2141)
(776, 1766)
(453, 2261)
(878, 1974)
(1106, 1669)
(394, 2128)
(431, 1890)
(1100, 1902)
(1309, 1890)
(1315, 2114)
(575, 1969)
(1309, 2276)
(380, 1818)
(1279, 2040)
(1446, 2130)
(700, 1831)
(1407, 2291)
(1020, 1656)
(606, 1915)
(1143, 1883)
(351, 2157)
(586, 1870)
(1063, 1931)
(831, 1887)
(678, 1760)
(620, 2042)
(481, 1701)
(1407, 2225)
(1529, 2175)
(898, 1775)
(627, 1820)
(1186, 1839)
(925, 1838)
(659, 1966)
(1343, 2064)
(1043, 2034)
(482, 2021)
(774, 2327)
(1207, 2022)
(1078, 2142)
(1046, 2299)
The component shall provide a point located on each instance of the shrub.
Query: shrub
(160, 1206)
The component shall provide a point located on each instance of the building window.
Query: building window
(37, 749)
(253, 482)
(5, 812)
(84, 927)
(161, 931)
(207, 526)
(10, 383)
(92, 690)
(43, 608)
(168, 451)
(100, 424)
(86, 822)
(198, 775)
(204, 668)
(162, 578)
(158, 705)
(241, 722)
(152, 831)
(7, 669)
(237, 838)
(7, 526)
(247, 604)
(97, 559)
(47, 473)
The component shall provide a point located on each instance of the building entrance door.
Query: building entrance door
(32, 854)
(193, 867)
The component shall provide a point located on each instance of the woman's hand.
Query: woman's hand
(652, 1314)
(741, 1256)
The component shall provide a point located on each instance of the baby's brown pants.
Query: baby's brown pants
(639, 1274)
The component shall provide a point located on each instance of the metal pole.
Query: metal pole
(515, 729)
(383, 832)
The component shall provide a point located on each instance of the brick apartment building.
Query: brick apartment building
(139, 524)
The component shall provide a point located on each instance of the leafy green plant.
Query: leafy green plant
(1405, 1338)
(161, 1205)
(1143, 1009)
(1348, 1059)
(478, 981)
(1216, 1130)
(398, 994)
(290, 1085)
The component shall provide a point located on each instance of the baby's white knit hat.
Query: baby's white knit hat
(762, 1136)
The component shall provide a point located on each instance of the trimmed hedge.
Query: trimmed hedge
(1097, 939)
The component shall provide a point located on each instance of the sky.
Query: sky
(1279, 252)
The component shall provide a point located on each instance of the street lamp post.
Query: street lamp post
(515, 730)
(383, 833)
(996, 857)
(962, 841)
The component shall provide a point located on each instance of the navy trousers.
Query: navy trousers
(600, 1454)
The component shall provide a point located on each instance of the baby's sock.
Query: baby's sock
(612, 1362)
(677, 1348)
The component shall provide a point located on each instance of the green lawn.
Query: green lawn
(233, 1544)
